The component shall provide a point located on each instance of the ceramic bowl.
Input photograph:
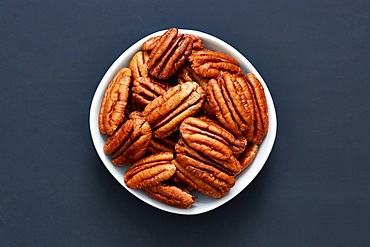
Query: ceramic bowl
(204, 203)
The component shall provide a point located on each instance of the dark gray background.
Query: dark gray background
(314, 189)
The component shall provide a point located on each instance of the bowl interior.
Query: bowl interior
(203, 203)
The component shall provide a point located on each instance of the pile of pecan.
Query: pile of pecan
(183, 118)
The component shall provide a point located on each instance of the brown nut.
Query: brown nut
(261, 110)
(248, 156)
(202, 173)
(129, 142)
(171, 195)
(166, 112)
(144, 90)
(213, 141)
(169, 54)
(113, 106)
(208, 63)
(149, 44)
(150, 171)
(138, 64)
(232, 102)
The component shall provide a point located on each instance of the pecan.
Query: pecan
(213, 141)
(232, 102)
(171, 195)
(261, 111)
(129, 142)
(248, 156)
(113, 106)
(169, 54)
(149, 44)
(166, 112)
(138, 64)
(201, 173)
(150, 171)
(144, 90)
(208, 63)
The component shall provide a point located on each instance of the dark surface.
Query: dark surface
(314, 189)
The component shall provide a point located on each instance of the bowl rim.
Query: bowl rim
(210, 42)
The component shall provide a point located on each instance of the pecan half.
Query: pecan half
(261, 110)
(138, 64)
(171, 195)
(150, 44)
(169, 54)
(248, 156)
(208, 63)
(201, 173)
(113, 106)
(150, 171)
(213, 141)
(232, 103)
(144, 90)
(166, 112)
(129, 142)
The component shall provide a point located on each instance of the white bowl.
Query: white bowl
(203, 203)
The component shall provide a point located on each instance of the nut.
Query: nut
(232, 103)
(150, 171)
(211, 140)
(129, 142)
(150, 44)
(169, 54)
(166, 112)
(138, 64)
(113, 106)
(171, 195)
(248, 156)
(208, 63)
(201, 173)
(144, 90)
(261, 111)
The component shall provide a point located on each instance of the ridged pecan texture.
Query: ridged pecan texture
(129, 142)
(166, 112)
(150, 171)
(113, 106)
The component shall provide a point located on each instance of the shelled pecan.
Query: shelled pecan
(166, 112)
(248, 156)
(261, 111)
(150, 171)
(202, 173)
(144, 90)
(149, 44)
(113, 106)
(169, 54)
(208, 63)
(232, 102)
(129, 142)
(138, 64)
(213, 141)
(171, 195)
